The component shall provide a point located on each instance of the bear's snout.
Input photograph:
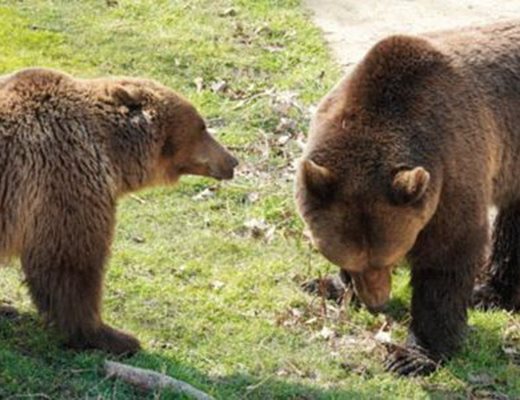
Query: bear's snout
(373, 287)
(226, 170)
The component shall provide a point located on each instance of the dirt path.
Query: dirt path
(353, 26)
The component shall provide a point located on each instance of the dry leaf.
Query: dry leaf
(326, 333)
(217, 285)
(258, 228)
(138, 239)
(219, 86)
(207, 193)
(229, 12)
(481, 379)
(199, 84)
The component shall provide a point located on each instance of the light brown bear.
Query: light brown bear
(69, 148)
(405, 155)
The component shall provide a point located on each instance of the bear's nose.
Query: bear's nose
(233, 161)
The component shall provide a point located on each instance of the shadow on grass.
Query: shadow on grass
(33, 362)
(398, 309)
(485, 369)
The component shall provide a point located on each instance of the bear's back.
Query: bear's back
(43, 107)
(490, 56)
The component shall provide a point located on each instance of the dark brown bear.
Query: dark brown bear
(405, 156)
(68, 149)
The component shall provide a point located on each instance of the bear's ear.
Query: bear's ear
(120, 94)
(320, 180)
(409, 185)
(128, 96)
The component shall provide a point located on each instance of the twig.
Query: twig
(243, 102)
(137, 198)
(151, 380)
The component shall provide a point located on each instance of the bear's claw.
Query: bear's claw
(410, 361)
(107, 339)
(329, 287)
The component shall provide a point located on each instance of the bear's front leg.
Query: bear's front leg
(441, 296)
(63, 261)
(69, 297)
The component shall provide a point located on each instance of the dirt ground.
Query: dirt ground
(353, 26)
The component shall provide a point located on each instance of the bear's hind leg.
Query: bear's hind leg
(502, 290)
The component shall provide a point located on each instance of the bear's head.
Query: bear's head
(362, 187)
(165, 133)
(189, 148)
(368, 230)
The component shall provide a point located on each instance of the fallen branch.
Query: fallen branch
(151, 380)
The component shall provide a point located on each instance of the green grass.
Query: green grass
(213, 303)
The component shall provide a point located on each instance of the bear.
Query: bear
(69, 148)
(405, 155)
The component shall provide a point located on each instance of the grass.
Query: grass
(207, 275)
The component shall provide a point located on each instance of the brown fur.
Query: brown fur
(405, 156)
(68, 149)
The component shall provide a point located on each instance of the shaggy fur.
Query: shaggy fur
(405, 156)
(502, 289)
(68, 149)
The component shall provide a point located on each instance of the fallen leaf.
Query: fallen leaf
(481, 379)
(138, 239)
(286, 125)
(219, 86)
(199, 84)
(352, 368)
(229, 12)
(326, 333)
(258, 228)
(486, 394)
(274, 49)
(383, 337)
(253, 197)
(206, 194)
(264, 29)
(217, 285)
